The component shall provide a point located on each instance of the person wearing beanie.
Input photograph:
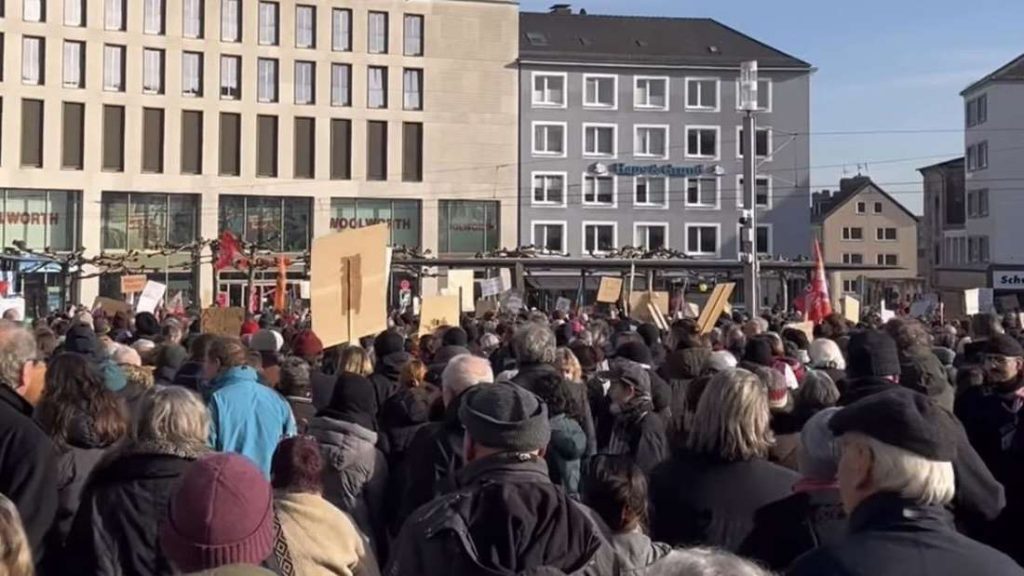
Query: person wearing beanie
(390, 357)
(221, 514)
(895, 480)
(168, 359)
(146, 327)
(506, 517)
(356, 470)
(248, 417)
(636, 430)
(249, 327)
(661, 394)
(316, 537)
(920, 368)
(813, 514)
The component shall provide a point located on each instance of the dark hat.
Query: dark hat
(455, 336)
(758, 351)
(650, 333)
(901, 418)
(306, 344)
(635, 351)
(171, 356)
(872, 353)
(505, 416)
(629, 373)
(354, 400)
(146, 325)
(388, 342)
(1003, 345)
(80, 339)
(222, 513)
(586, 356)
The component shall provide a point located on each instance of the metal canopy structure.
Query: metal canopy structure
(599, 264)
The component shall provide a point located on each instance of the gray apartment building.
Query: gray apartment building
(630, 130)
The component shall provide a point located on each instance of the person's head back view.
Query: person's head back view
(534, 343)
(76, 400)
(704, 562)
(461, 373)
(732, 418)
(17, 361)
(221, 514)
(503, 418)
(616, 488)
(173, 416)
(15, 553)
(297, 466)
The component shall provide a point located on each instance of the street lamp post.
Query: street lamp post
(748, 220)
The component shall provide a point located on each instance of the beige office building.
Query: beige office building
(144, 125)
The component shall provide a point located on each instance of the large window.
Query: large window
(341, 30)
(305, 26)
(230, 83)
(702, 240)
(113, 68)
(702, 94)
(598, 190)
(33, 10)
(885, 234)
(341, 85)
(549, 236)
(762, 142)
(413, 35)
(977, 110)
(600, 91)
(192, 18)
(549, 188)
(113, 14)
(764, 94)
(305, 82)
(650, 236)
(977, 156)
(762, 192)
(231, 20)
(549, 89)
(74, 13)
(74, 64)
(401, 216)
(152, 71)
(650, 141)
(377, 87)
(266, 89)
(702, 142)
(33, 56)
(412, 89)
(269, 26)
(853, 233)
(192, 74)
(650, 191)
(650, 93)
(599, 237)
(549, 139)
(271, 222)
(599, 140)
(39, 218)
(468, 226)
(977, 203)
(377, 33)
(153, 17)
(148, 221)
(702, 192)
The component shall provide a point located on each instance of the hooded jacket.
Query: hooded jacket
(75, 463)
(565, 452)
(640, 433)
(680, 369)
(385, 375)
(247, 417)
(921, 371)
(116, 529)
(506, 518)
(355, 473)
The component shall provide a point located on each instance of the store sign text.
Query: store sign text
(662, 170)
(1008, 279)
(344, 223)
(26, 218)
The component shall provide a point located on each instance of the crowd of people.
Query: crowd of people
(511, 444)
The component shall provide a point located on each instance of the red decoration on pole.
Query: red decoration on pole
(817, 305)
(228, 252)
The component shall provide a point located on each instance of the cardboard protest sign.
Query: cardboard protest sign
(639, 300)
(348, 284)
(986, 300)
(805, 327)
(492, 286)
(609, 290)
(133, 284)
(485, 306)
(223, 321)
(111, 306)
(151, 296)
(971, 304)
(563, 305)
(460, 283)
(714, 306)
(690, 310)
(657, 317)
(438, 311)
(851, 309)
(1009, 303)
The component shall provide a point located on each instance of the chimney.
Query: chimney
(560, 9)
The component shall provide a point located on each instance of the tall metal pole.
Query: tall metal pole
(751, 267)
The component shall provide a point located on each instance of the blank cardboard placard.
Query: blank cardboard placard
(348, 284)
(714, 307)
(111, 306)
(223, 321)
(805, 327)
(438, 311)
(485, 306)
(460, 283)
(851, 309)
(639, 300)
(609, 290)
(690, 310)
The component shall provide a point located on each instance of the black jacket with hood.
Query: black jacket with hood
(506, 518)
(385, 375)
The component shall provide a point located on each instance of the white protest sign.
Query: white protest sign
(151, 296)
(16, 303)
(512, 301)
(887, 314)
(563, 305)
(492, 286)
(971, 301)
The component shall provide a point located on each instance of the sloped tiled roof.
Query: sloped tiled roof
(1010, 72)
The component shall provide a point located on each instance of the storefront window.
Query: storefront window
(272, 223)
(39, 218)
(147, 221)
(403, 216)
(468, 227)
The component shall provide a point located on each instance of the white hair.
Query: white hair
(914, 477)
(172, 414)
(704, 562)
(122, 354)
(462, 372)
(825, 353)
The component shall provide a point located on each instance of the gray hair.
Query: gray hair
(534, 344)
(926, 482)
(464, 371)
(17, 346)
(15, 551)
(732, 418)
(174, 415)
(294, 377)
(704, 562)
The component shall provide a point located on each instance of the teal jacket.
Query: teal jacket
(247, 417)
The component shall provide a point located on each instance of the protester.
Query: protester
(534, 348)
(84, 420)
(248, 418)
(825, 355)
(506, 517)
(637, 431)
(220, 515)
(115, 529)
(317, 538)
(572, 372)
(660, 393)
(920, 368)
(708, 492)
(895, 478)
(406, 412)
(139, 381)
(568, 443)
(295, 387)
(15, 551)
(80, 339)
(815, 394)
(168, 359)
(356, 471)
(28, 460)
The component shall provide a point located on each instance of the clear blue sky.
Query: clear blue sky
(882, 65)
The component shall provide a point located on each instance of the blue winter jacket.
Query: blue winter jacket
(247, 417)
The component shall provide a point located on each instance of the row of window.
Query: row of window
(192, 75)
(193, 25)
(967, 250)
(550, 189)
(601, 91)
(856, 233)
(977, 110)
(862, 208)
(550, 139)
(602, 237)
(338, 136)
(880, 259)
(977, 156)
(977, 203)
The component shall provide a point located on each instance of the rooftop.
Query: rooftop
(954, 163)
(1012, 71)
(564, 36)
(848, 189)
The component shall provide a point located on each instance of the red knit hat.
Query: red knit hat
(249, 327)
(306, 344)
(221, 514)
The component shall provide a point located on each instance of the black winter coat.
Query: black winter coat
(700, 501)
(640, 433)
(28, 468)
(385, 375)
(530, 373)
(799, 523)
(889, 536)
(74, 466)
(116, 529)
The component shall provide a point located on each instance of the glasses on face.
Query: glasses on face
(997, 360)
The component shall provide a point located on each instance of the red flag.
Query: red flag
(228, 252)
(817, 305)
(282, 277)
